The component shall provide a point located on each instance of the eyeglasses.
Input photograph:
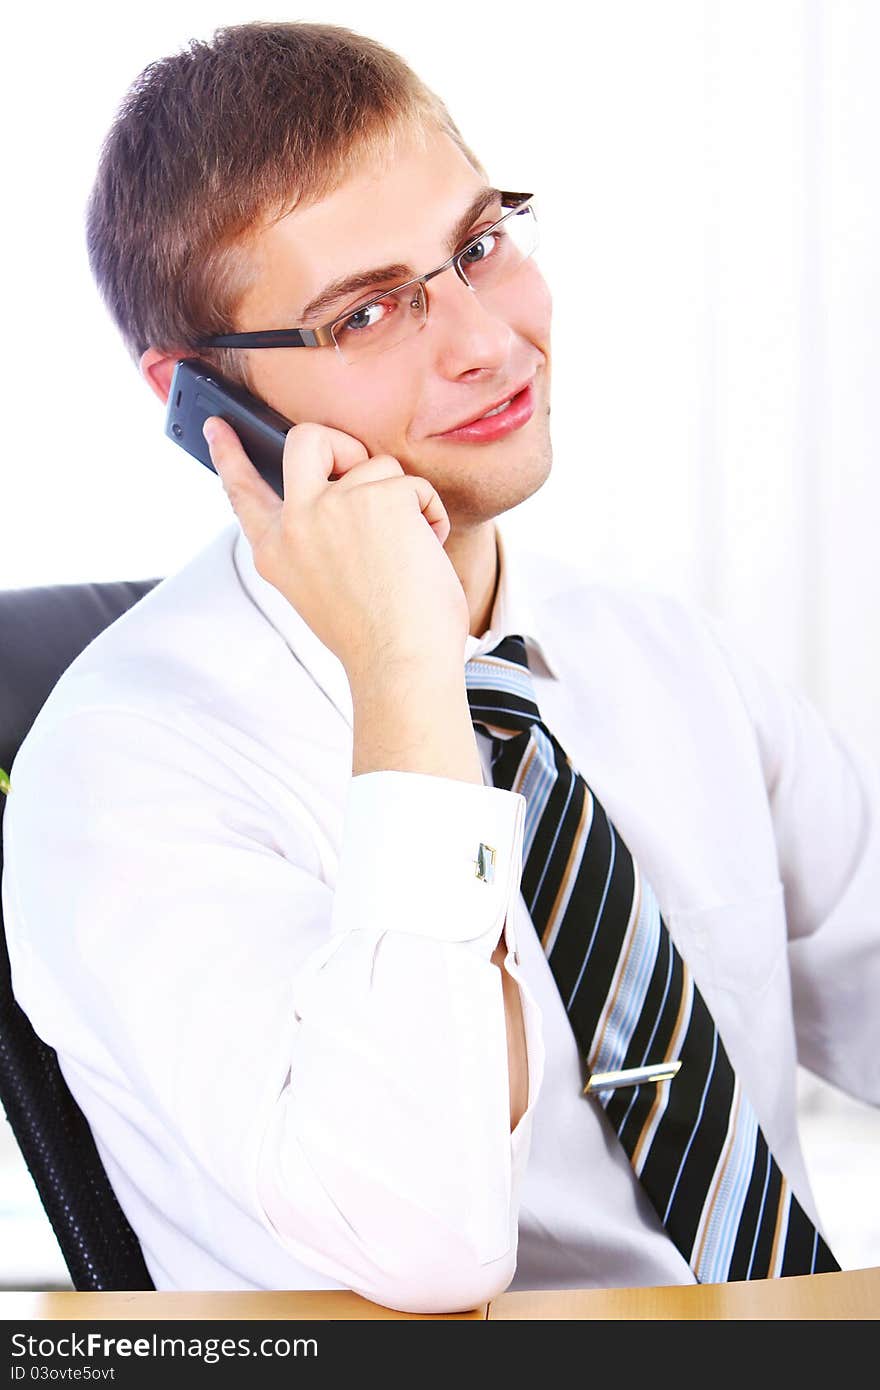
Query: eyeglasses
(489, 259)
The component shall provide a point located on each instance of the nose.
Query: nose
(465, 330)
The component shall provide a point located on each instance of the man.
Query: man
(284, 954)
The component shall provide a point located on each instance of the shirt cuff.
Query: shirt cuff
(427, 855)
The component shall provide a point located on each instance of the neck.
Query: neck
(474, 555)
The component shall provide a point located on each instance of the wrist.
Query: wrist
(398, 669)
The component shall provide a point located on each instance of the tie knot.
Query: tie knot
(500, 690)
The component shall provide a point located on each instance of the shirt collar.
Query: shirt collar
(512, 612)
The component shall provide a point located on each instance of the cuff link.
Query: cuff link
(485, 862)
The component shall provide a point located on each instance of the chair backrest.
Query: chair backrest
(41, 631)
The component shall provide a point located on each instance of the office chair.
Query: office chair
(41, 631)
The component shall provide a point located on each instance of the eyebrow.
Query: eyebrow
(397, 270)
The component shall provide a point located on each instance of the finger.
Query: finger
(254, 502)
(430, 504)
(312, 453)
(372, 470)
(433, 509)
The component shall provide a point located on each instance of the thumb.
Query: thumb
(254, 502)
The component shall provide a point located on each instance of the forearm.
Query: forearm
(411, 718)
(419, 721)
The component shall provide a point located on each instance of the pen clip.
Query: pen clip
(633, 1076)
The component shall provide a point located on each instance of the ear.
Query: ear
(157, 369)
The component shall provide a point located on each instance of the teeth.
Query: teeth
(498, 409)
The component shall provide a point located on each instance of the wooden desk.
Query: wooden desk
(850, 1294)
(318, 1304)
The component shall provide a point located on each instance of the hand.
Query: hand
(359, 556)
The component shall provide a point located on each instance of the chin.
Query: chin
(480, 496)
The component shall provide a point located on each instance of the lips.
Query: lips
(499, 400)
(490, 428)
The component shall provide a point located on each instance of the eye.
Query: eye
(481, 249)
(361, 319)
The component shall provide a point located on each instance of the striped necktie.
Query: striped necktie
(693, 1141)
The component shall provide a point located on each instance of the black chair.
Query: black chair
(41, 631)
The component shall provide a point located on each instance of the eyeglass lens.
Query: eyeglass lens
(487, 261)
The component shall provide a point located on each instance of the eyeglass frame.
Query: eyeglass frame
(323, 335)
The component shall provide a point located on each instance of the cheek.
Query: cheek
(291, 383)
(307, 386)
(374, 407)
(383, 411)
(536, 303)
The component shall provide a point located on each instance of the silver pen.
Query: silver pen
(633, 1076)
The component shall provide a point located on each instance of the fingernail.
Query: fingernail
(209, 430)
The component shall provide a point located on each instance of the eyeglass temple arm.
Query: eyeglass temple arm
(282, 337)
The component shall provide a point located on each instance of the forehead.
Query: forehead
(399, 208)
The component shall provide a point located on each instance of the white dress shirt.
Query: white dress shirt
(268, 982)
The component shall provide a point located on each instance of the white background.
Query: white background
(706, 178)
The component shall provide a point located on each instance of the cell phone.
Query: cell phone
(197, 391)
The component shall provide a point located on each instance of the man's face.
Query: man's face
(471, 352)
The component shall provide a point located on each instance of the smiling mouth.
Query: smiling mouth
(498, 422)
(487, 414)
